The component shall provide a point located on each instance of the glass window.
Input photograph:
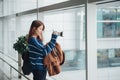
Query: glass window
(102, 58)
(9, 29)
(108, 22)
(108, 57)
(23, 5)
(70, 21)
(1, 36)
(25, 23)
(15, 6)
(110, 13)
(117, 52)
(108, 29)
(42, 3)
(108, 34)
(9, 7)
(75, 60)
(1, 7)
(115, 59)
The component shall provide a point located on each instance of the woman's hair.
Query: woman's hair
(35, 24)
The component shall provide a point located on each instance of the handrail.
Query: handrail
(15, 69)
(8, 56)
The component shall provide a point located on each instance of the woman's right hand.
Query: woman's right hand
(55, 32)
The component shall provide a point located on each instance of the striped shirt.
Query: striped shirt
(37, 51)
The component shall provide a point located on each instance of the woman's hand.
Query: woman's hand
(55, 32)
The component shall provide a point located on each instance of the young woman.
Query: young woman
(37, 50)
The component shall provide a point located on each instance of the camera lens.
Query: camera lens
(61, 34)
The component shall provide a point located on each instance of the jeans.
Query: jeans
(39, 74)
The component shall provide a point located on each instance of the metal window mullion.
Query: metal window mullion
(90, 41)
(37, 9)
(86, 42)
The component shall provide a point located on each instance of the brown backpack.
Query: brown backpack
(53, 60)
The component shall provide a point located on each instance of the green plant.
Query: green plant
(21, 45)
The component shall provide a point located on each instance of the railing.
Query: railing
(9, 57)
(11, 67)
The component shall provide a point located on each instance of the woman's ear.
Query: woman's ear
(34, 28)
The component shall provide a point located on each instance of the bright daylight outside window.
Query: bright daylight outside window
(108, 26)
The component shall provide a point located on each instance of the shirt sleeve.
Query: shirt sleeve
(46, 49)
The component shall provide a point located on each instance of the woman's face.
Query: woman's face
(39, 30)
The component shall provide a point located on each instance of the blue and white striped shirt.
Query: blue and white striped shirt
(37, 51)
